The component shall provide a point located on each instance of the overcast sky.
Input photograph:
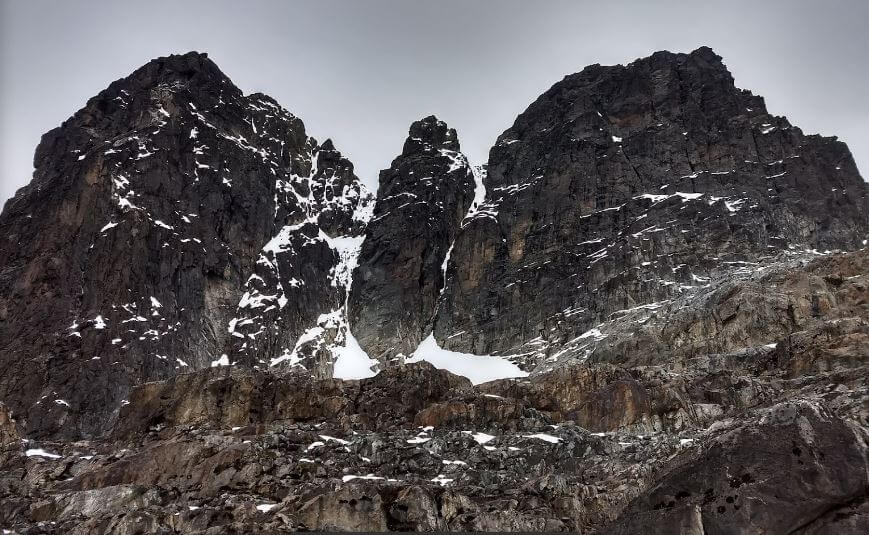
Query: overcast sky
(361, 71)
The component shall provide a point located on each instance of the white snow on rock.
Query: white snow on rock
(688, 196)
(39, 452)
(331, 331)
(222, 361)
(352, 361)
(457, 159)
(348, 248)
(266, 507)
(293, 356)
(480, 437)
(734, 206)
(479, 197)
(347, 478)
(441, 480)
(341, 441)
(543, 436)
(446, 264)
(653, 197)
(592, 333)
(477, 368)
(479, 192)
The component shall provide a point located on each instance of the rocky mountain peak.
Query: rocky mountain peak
(603, 187)
(167, 83)
(708, 54)
(194, 68)
(208, 190)
(664, 89)
(430, 134)
(327, 146)
(422, 200)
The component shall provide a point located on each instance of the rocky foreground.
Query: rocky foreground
(756, 423)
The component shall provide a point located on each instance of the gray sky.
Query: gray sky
(361, 71)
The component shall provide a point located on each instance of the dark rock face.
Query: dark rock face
(292, 311)
(127, 257)
(422, 200)
(214, 398)
(629, 185)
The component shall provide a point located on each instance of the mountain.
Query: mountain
(629, 186)
(171, 221)
(647, 311)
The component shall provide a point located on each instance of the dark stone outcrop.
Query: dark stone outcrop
(422, 200)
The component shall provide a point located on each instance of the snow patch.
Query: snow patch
(347, 478)
(352, 361)
(477, 368)
(441, 480)
(39, 452)
(546, 438)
